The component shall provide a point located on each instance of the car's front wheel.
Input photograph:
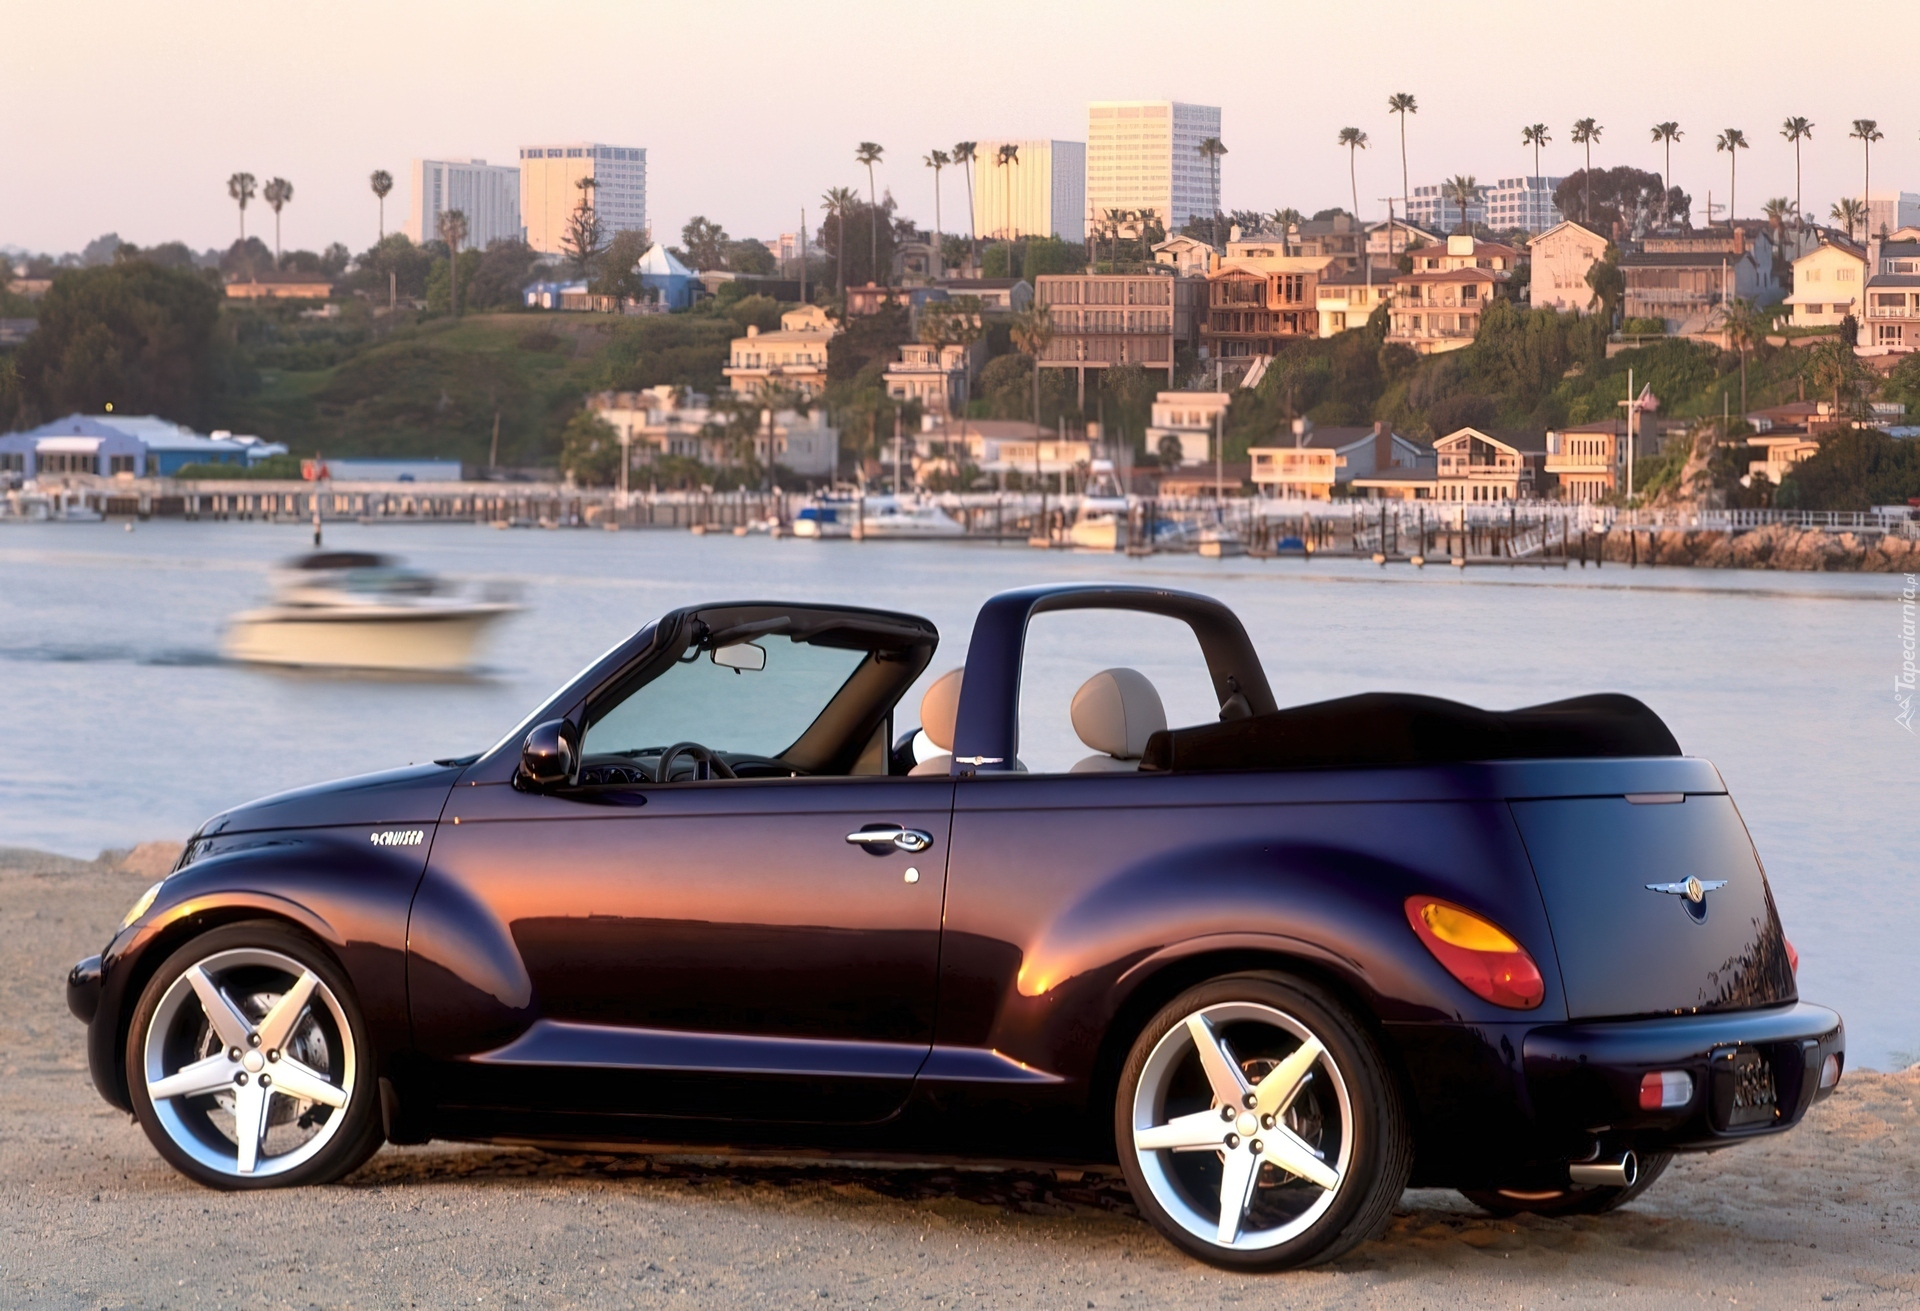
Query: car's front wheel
(1259, 1127)
(248, 1063)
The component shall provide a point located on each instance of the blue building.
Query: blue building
(143, 445)
(675, 282)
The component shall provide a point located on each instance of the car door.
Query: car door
(708, 948)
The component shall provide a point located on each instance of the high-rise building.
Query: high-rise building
(1523, 202)
(1041, 191)
(550, 190)
(1889, 211)
(1145, 154)
(1437, 212)
(488, 194)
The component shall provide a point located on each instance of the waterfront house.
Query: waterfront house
(1480, 467)
(937, 378)
(136, 445)
(996, 448)
(1320, 459)
(792, 358)
(1892, 323)
(668, 421)
(1188, 417)
(1589, 459)
(1561, 258)
(1827, 284)
(1684, 277)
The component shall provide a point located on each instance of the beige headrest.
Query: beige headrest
(940, 709)
(1116, 711)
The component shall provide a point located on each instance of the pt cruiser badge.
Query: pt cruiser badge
(1694, 889)
(411, 837)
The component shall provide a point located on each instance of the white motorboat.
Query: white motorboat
(1100, 523)
(889, 518)
(359, 610)
(1218, 542)
(825, 516)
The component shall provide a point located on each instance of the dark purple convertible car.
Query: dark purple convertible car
(1277, 965)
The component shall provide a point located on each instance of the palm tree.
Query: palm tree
(1032, 331)
(1402, 103)
(963, 155)
(1797, 130)
(1286, 220)
(1463, 189)
(1778, 211)
(1866, 132)
(1849, 211)
(936, 160)
(240, 187)
(453, 231)
(1535, 136)
(1006, 157)
(382, 183)
(1732, 140)
(1666, 134)
(1586, 131)
(838, 201)
(868, 153)
(276, 193)
(1744, 323)
(1355, 141)
(1210, 150)
(589, 186)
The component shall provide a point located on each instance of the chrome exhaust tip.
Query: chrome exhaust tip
(1619, 1173)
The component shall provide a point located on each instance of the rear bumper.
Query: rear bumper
(1495, 1105)
(1584, 1078)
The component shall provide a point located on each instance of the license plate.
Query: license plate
(1755, 1100)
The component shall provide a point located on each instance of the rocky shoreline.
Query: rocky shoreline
(1776, 546)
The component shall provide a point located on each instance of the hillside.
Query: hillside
(434, 388)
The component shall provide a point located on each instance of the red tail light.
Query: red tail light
(1793, 957)
(1478, 953)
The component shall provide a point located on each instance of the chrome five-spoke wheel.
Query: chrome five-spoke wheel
(245, 1065)
(1246, 1121)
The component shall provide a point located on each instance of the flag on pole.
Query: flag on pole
(1647, 403)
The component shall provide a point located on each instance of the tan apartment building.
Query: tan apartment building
(1892, 323)
(550, 190)
(1256, 309)
(1561, 258)
(1588, 459)
(1040, 192)
(794, 357)
(1104, 319)
(1346, 298)
(937, 378)
(1827, 284)
(1464, 252)
(1440, 311)
(1145, 154)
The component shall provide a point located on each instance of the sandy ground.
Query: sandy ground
(90, 1217)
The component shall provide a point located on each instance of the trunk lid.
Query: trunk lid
(1626, 949)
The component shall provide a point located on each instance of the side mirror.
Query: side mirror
(739, 656)
(548, 756)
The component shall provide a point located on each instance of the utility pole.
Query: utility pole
(803, 254)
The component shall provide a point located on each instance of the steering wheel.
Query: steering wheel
(706, 763)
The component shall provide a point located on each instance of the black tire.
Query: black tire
(1569, 1201)
(346, 1146)
(1372, 1135)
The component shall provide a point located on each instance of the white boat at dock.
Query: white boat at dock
(901, 518)
(825, 516)
(1102, 519)
(359, 610)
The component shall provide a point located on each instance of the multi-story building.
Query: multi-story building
(1889, 211)
(667, 421)
(1322, 458)
(1347, 298)
(1438, 309)
(1188, 255)
(1827, 283)
(1588, 459)
(488, 194)
(1561, 258)
(1145, 154)
(1464, 252)
(1684, 277)
(938, 378)
(1042, 192)
(1189, 418)
(550, 190)
(1434, 211)
(1104, 319)
(1525, 203)
(1893, 298)
(1387, 242)
(1476, 466)
(1254, 308)
(793, 358)
(1339, 238)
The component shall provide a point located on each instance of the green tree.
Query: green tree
(276, 193)
(1402, 103)
(1355, 141)
(499, 275)
(133, 335)
(751, 256)
(705, 243)
(1731, 140)
(1464, 190)
(1796, 130)
(1608, 284)
(382, 182)
(584, 240)
(453, 231)
(869, 153)
(590, 450)
(1586, 131)
(1665, 134)
(1853, 470)
(1744, 324)
(241, 188)
(1850, 212)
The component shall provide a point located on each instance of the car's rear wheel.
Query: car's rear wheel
(248, 1063)
(1568, 1201)
(1258, 1125)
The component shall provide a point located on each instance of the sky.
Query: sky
(127, 116)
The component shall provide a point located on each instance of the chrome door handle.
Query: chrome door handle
(907, 839)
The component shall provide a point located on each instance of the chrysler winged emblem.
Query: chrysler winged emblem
(1693, 889)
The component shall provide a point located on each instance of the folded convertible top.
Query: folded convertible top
(1396, 728)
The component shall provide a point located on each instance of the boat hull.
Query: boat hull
(419, 641)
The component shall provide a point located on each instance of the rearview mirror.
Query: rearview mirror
(547, 756)
(739, 656)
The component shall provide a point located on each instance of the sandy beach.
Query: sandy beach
(90, 1217)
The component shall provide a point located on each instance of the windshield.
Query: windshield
(740, 711)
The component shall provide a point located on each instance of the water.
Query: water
(121, 723)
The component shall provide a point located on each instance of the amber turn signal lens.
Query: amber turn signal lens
(1478, 953)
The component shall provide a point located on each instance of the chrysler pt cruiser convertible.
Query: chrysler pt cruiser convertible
(1277, 965)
